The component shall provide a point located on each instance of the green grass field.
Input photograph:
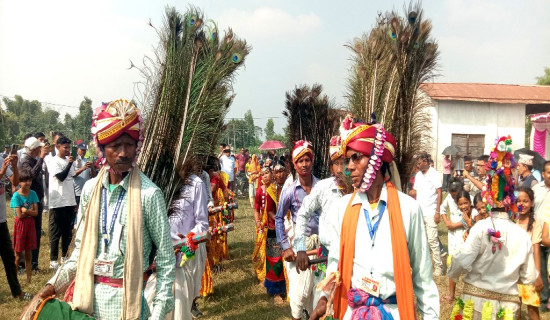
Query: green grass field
(237, 293)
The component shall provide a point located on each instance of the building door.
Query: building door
(469, 144)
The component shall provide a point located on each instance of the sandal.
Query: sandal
(26, 297)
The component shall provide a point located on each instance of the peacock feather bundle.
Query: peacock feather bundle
(388, 65)
(188, 90)
(312, 116)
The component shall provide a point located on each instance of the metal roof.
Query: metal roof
(487, 92)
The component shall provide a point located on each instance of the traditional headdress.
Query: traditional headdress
(114, 119)
(335, 148)
(302, 148)
(498, 191)
(526, 159)
(371, 140)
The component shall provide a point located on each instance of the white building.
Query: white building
(473, 115)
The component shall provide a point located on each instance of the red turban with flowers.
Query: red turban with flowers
(115, 119)
(302, 148)
(361, 137)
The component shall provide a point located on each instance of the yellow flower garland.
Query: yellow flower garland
(487, 312)
(468, 312)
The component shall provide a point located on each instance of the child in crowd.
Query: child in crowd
(25, 205)
(457, 213)
(481, 208)
(530, 294)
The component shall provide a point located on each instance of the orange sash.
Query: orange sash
(401, 261)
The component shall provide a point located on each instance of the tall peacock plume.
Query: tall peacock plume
(389, 64)
(188, 90)
(311, 116)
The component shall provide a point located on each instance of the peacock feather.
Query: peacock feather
(187, 93)
(389, 64)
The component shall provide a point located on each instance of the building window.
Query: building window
(469, 144)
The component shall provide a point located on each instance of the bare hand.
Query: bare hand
(538, 284)
(5, 165)
(177, 249)
(319, 310)
(71, 159)
(44, 151)
(47, 291)
(88, 165)
(288, 255)
(302, 261)
(437, 218)
(13, 160)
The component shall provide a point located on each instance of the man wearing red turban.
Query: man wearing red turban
(300, 290)
(363, 278)
(122, 214)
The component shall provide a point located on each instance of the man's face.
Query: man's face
(337, 167)
(357, 164)
(521, 168)
(7, 150)
(422, 164)
(55, 139)
(304, 165)
(480, 168)
(546, 175)
(120, 153)
(41, 139)
(242, 150)
(468, 165)
(64, 150)
(81, 152)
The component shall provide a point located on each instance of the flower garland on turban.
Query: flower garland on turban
(372, 140)
(498, 191)
(112, 120)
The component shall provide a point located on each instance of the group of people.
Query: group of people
(503, 201)
(40, 174)
(351, 246)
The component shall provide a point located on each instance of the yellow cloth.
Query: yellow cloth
(259, 254)
(83, 299)
(529, 295)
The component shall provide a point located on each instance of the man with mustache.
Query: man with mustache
(123, 214)
(379, 247)
(300, 290)
(320, 199)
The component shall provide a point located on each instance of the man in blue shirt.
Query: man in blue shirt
(300, 290)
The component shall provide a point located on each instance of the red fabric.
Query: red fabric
(119, 131)
(364, 131)
(241, 161)
(539, 142)
(302, 148)
(24, 234)
(217, 181)
(268, 202)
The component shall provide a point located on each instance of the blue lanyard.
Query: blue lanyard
(107, 236)
(372, 229)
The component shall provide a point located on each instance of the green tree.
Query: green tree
(269, 129)
(545, 79)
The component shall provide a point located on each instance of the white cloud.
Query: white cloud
(267, 22)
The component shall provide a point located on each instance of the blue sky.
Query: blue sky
(60, 51)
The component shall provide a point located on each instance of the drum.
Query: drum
(52, 308)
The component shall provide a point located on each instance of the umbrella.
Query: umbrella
(451, 150)
(272, 145)
(538, 161)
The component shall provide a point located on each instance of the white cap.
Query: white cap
(33, 143)
(526, 159)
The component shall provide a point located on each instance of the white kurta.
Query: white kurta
(374, 257)
(499, 272)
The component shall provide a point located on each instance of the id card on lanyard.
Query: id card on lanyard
(370, 284)
(103, 266)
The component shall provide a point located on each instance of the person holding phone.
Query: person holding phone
(84, 170)
(61, 200)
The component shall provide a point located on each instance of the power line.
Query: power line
(44, 102)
